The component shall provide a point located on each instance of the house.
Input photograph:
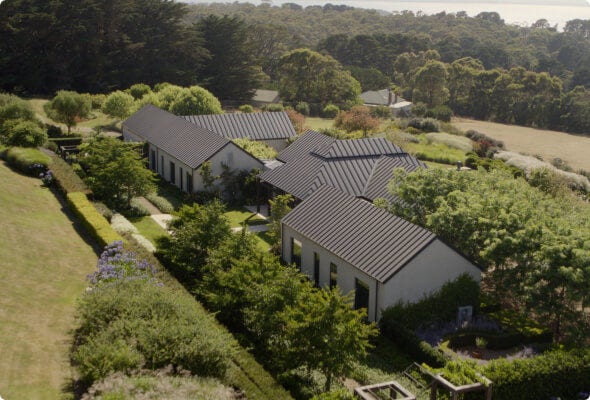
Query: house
(359, 167)
(273, 128)
(387, 98)
(177, 148)
(263, 97)
(339, 239)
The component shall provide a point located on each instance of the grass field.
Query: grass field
(148, 228)
(42, 269)
(239, 215)
(315, 123)
(573, 149)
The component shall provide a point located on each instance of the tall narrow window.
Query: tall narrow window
(189, 183)
(316, 269)
(181, 177)
(333, 275)
(153, 160)
(296, 252)
(162, 166)
(172, 172)
(361, 295)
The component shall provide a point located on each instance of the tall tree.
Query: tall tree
(306, 75)
(118, 104)
(232, 72)
(68, 107)
(430, 84)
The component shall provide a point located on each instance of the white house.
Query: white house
(386, 97)
(177, 149)
(273, 128)
(338, 239)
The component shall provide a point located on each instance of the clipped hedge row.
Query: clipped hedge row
(160, 203)
(498, 341)
(557, 373)
(406, 339)
(95, 223)
(24, 159)
(65, 178)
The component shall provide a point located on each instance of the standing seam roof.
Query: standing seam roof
(371, 239)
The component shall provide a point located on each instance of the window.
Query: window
(189, 183)
(153, 160)
(316, 269)
(333, 275)
(172, 172)
(162, 165)
(181, 177)
(361, 295)
(296, 252)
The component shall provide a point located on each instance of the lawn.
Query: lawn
(148, 228)
(573, 149)
(42, 269)
(436, 152)
(263, 241)
(239, 215)
(315, 123)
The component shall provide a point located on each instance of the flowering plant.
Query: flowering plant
(46, 177)
(116, 264)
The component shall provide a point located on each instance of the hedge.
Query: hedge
(95, 223)
(557, 373)
(65, 178)
(244, 371)
(24, 160)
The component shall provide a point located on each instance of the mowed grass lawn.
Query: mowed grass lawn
(573, 149)
(43, 267)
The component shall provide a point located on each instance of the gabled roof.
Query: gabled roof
(255, 126)
(371, 239)
(379, 97)
(383, 172)
(315, 159)
(186, 142)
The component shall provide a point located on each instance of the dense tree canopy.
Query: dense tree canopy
(532, 245)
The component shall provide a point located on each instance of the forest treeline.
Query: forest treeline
(478, 66)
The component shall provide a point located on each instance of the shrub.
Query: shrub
(330, 111)
(139, 90)
(419, 109)
(497, 341)
(424, 124)
(297, 120)
(246, 108)
(53, 131)
(65, 178)
(381, 112)
(441, 113)
(97, 100)
(26, 134)
(96, 224)
(51, 146)
(103, 210)
(302, 108)
(122, 225)
(456, 142)
(27, 160)
(437, 307)
(133, 324)
(137, 209)
(161, 203)
(273, 107)
(257, 148)
(556, 373)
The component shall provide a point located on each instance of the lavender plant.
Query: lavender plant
(117, 264)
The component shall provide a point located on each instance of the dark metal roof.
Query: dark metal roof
(187, 142)
(255, 126)
(371, 239)
(383, 172)
(315, 159)
(304, 144)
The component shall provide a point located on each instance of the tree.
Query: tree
(13, 107)
(324, 332)
(359, 118)
(139, 90)
(116, 170)
(118, 104)
(298, 121)
(198, 231)
(279, 207)
(232, 71)
(68, 107)
(26, 134)
(370, 78)
(195, 101)
(430, 84)
(316, 79)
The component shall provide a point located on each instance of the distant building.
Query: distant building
(177, 148)
(263, 97)
(337, 239)
(387, 98)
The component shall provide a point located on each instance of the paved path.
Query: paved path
(161, 219)
(252, 228)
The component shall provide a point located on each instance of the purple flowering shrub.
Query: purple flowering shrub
(46, 177)
(117, 264)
